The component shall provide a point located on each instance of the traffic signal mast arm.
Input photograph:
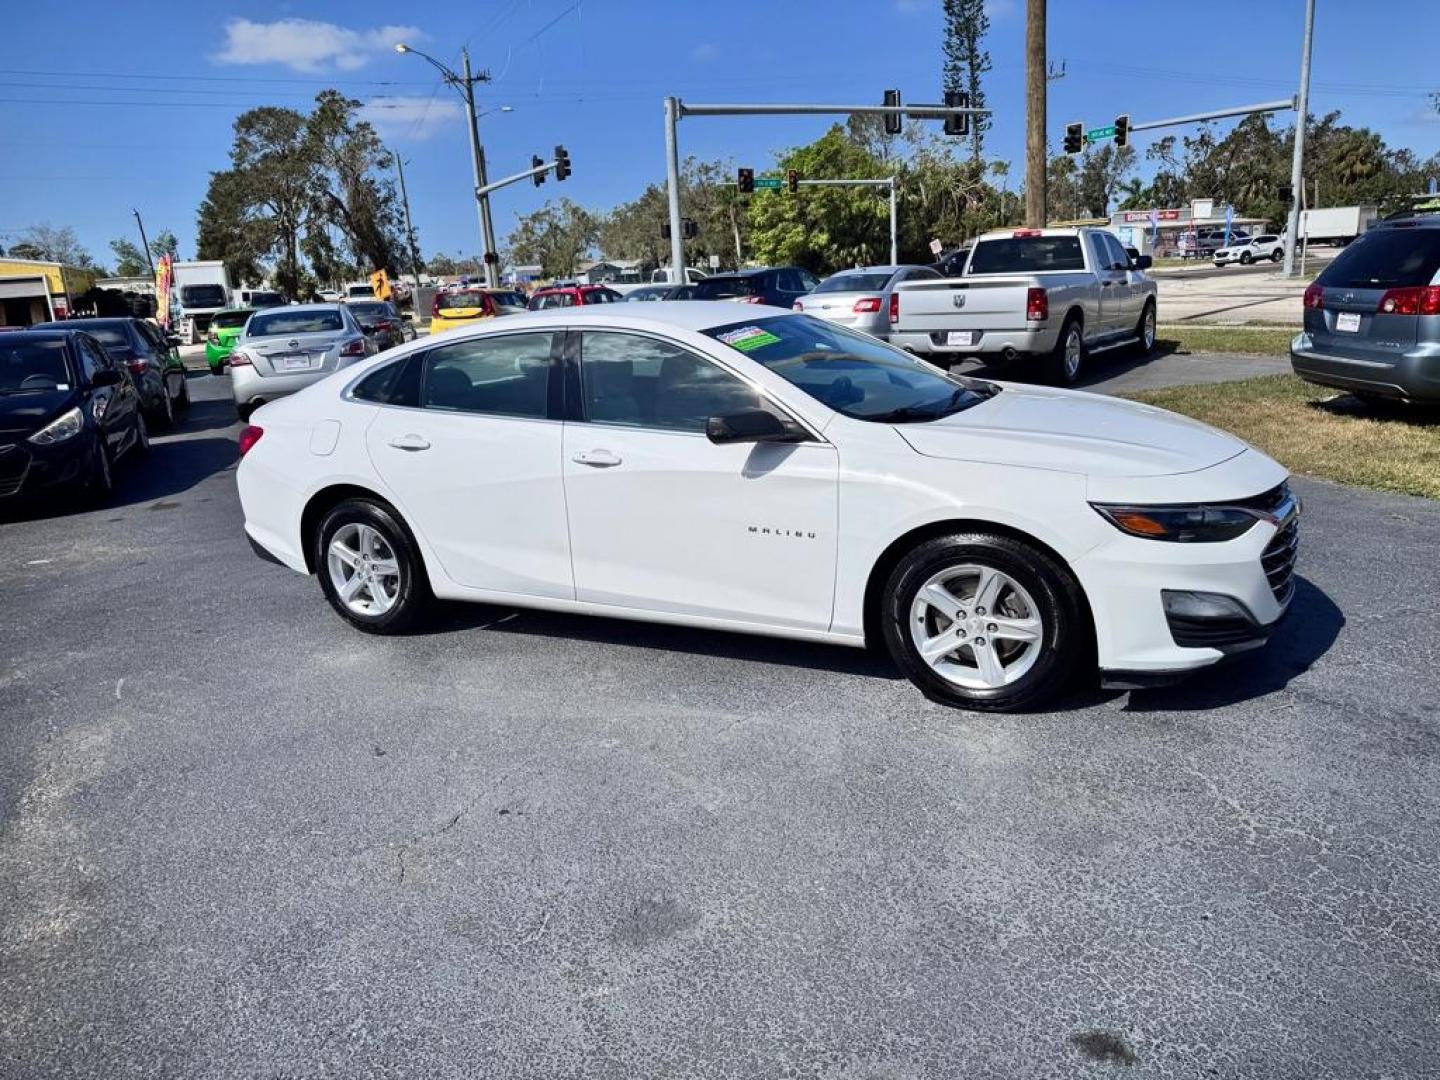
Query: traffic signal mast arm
(561, 165)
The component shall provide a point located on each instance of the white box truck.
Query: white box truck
(201, 289)
(1336, 224)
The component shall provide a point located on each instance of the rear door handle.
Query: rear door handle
(410, 442)
(600, 459)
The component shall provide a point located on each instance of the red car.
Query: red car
(573, 296)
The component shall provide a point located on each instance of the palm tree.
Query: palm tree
(1134, 194)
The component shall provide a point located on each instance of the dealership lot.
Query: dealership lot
(238, 838)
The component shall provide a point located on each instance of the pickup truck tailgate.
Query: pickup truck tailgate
(988, 303)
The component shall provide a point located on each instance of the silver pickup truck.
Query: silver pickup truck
(1049, 296)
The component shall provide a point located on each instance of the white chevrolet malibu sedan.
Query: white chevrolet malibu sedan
(764, 471)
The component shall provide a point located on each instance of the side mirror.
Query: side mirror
(753, 425)
(1142, 262)
(108, 377)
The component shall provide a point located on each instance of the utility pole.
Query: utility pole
(672, 181)
(144, 244)
(1035, 80)
(409, 228)
(1297, 164)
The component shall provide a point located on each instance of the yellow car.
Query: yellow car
(463, 306)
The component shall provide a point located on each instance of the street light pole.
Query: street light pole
(1297, 164)
(409, 228)
(144, 244)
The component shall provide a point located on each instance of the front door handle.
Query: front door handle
(410, 442)
(600, 459)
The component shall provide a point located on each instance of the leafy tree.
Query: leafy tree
(165, 244)
(707, 196)
(1062, 181)
(1101, 172)
(47, 243)
(129, 262)
(229, 230)
(966, 61)
(555, 236)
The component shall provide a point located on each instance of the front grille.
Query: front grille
(1278, 559)
(13, 461)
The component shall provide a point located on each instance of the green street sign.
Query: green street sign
(1096, 134)
(773, 183)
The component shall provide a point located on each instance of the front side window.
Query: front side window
(499, 376)
(644, 382)
(852, 373)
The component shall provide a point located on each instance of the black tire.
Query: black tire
(142, 433)
(413, 596)
(101, 481)
(244, 411)
(1054, 592)
(184, 398)
(1057, 371)
(1277, 255)
(1145, 330)
(165, 411)
(1246, 258)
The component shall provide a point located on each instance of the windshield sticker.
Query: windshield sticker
(748, 337)
(62, 386)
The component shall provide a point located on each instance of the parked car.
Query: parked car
(461, 307)
(661, 292)
(1372, 317)
(68, 413)
(263, 298)
(381, 322)
(1210, 240)
(225, 328)
(661, 275)
(572, 296)
(1269, 246)
(778, 286)
(359, 292)
(783, 475)
(151, 357)
(283, 350)
(861, 298)
(1042, 297)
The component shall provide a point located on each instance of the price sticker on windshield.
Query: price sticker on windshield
(748, 337)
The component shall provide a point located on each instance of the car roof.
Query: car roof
(696, 315)
(92, 320)
(1422, 219)
(294, 308)
(39, 330)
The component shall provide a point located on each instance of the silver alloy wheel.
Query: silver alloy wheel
(1072, 353)
(976, 627)
(1147, 329)
(363, 569)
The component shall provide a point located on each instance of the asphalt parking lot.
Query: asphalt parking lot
(238, 838)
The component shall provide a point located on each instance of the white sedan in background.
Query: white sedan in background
(765, 471)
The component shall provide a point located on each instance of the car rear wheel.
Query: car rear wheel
(167, 407)
(983, 621)
(1277, 254)
(370, 569)
(1068, 356)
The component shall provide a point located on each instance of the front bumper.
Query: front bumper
(1038, 341)
(1409, 376)
(27, 470)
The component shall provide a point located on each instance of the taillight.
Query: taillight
(1314, 297)
(1417, 300)
(249, 436)
(1021, 233)
(137, 367)
(752, 300)
(239, 359)
(797, 306)
(212, 338)
(1037, 305)
(353, 348)
(894, 307)
(866, 304)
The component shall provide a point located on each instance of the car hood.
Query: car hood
(1070, 431)
(25, 414)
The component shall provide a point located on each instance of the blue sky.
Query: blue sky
(121, 105)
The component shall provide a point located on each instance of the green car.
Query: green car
(225, 327)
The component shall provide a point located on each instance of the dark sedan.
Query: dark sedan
(68, 412)
(382, 322)
(145, 350)
(778, 286)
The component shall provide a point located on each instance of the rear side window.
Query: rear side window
(1386, 259)
(1026, 254)
(393, 384)
(722, 288)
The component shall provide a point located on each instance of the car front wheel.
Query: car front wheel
(983, 621)
(370, 569)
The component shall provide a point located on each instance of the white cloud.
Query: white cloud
(415, 118)
(999, 9)
(307, 45)
(703, 54)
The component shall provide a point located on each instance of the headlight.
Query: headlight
(66, 426)
(1179, 524)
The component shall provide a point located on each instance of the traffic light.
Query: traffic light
(535, 163)
(1122, 130)
(1285, 193)
(689, 229)
(957, 125)
(792, 180)
(893, 121)
(562, 163)
(745, 181)
(1074, 138)
(665, 228)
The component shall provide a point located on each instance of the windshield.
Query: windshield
(202, 295)
(284, 321)
(1386, 259)
(33, 366)
(1026, 254)
(854, 283)
(852, 373)
(229, 320)
(722, 288)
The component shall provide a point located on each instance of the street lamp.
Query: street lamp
(465, 84)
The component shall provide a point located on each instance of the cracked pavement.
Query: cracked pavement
(238, 839)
